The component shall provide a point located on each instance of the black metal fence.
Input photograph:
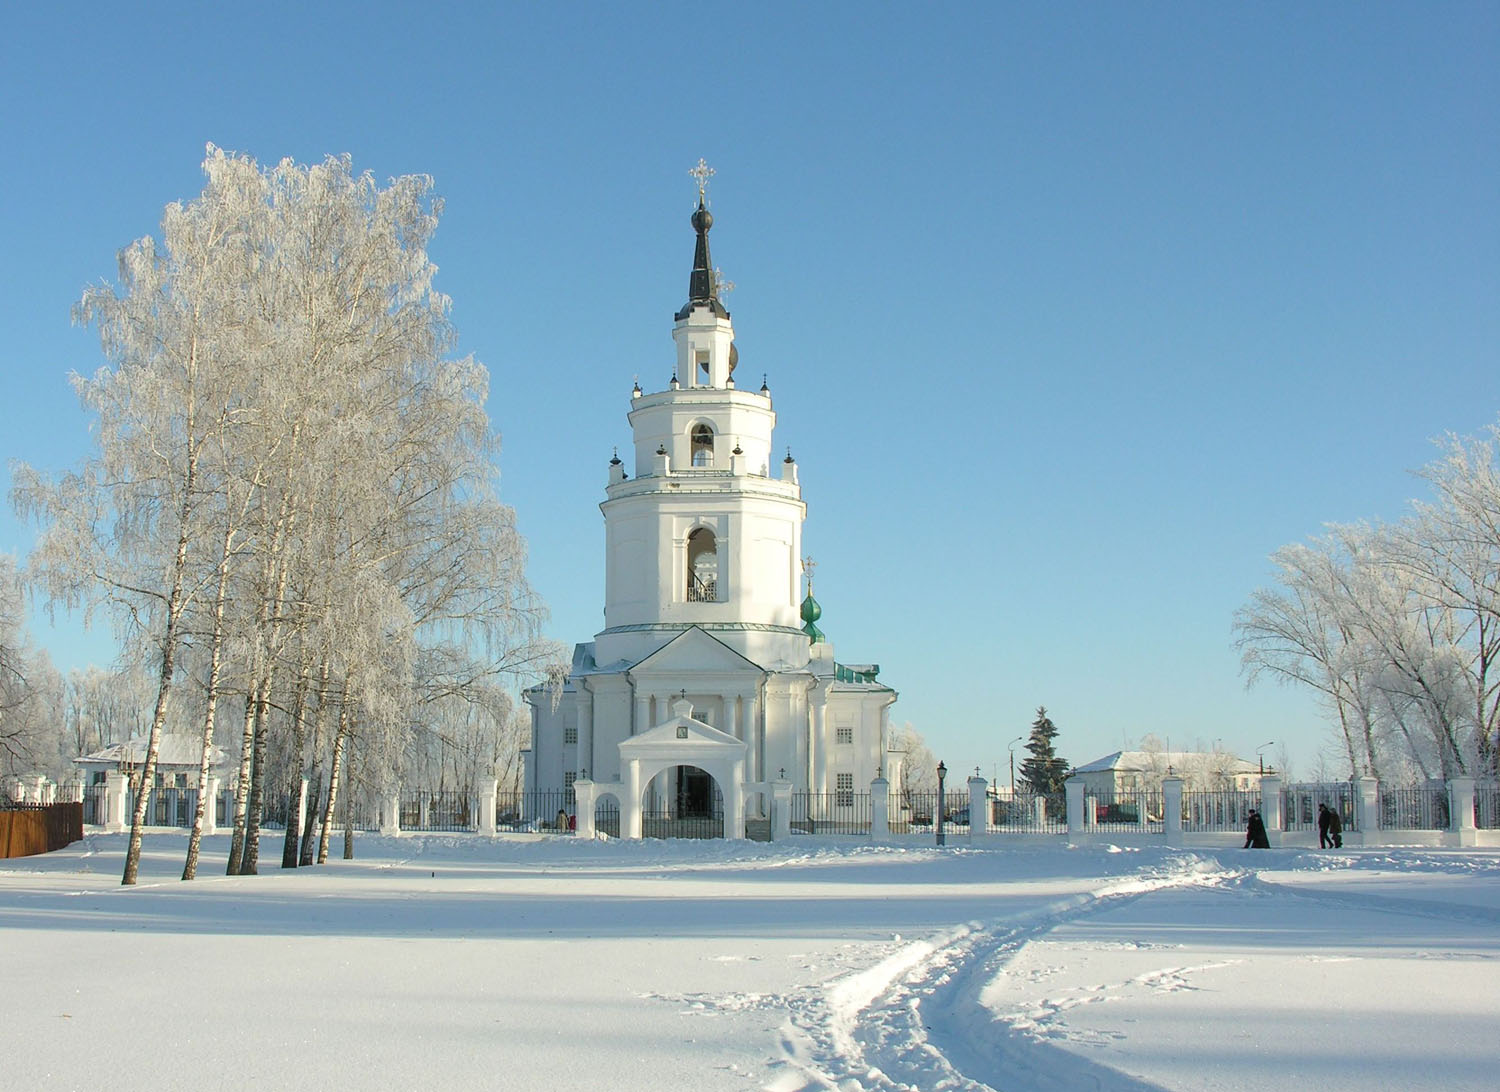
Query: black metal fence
(1415, 807)
(1029, 813)
(607, 816)
(916, 812)
(1218, 810)
(831, 813)
(1126, 812)
(523, 811)
(1487, 805)
(665, 822)
(444, 810)
(1300, 804)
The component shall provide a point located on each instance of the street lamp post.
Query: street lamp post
(1260, 754)
(1012, 746)
(942, 772)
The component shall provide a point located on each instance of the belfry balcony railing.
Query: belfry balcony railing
(702, 591)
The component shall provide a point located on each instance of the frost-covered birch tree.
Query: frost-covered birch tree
(1398, 625)
(294, 502)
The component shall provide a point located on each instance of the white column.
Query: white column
(817, 743)
(583, 795)
(211, 807)
(1171, 803)
(487, 792)
(1461, 810)
(1073, 786)
(880, 809)
(630, 807)
(1367, 811)
(390, 814)
(781, 810)
(1272, 809)
(642, 713)
(979, 808)
(734, 802)
(114, 801)
(585, 705)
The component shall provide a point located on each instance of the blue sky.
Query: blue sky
(1072, 313)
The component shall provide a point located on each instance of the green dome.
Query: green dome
(811, 612)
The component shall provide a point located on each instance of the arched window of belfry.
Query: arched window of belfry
(702, 567)
(703, 445)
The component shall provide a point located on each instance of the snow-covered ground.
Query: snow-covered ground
(552, 963)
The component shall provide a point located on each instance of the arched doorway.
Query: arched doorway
(683, 802)
(607, 815)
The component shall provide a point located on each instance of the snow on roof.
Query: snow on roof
(1151, 760)
(175, 749)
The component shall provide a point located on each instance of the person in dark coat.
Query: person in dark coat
(1255, 832)
(1335, 829)
(1325, 821)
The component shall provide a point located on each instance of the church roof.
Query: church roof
(694, 644)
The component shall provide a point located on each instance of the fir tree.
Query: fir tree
(1043, 772)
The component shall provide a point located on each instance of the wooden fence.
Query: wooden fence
(39, 828)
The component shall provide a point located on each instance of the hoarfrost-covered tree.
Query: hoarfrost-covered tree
(293, 506)
(32, 733)
(1397, 626)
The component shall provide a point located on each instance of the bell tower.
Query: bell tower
(703, 534)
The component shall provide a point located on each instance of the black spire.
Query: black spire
(703, 288)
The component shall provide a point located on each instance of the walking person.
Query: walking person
(1325, 822)
(1255, 832)
(1335, 828)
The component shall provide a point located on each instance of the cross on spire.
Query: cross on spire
(701, 174)
(808, 565)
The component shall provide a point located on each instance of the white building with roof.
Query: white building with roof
(1142, 771)
(709, 683)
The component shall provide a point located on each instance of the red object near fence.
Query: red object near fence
(26, 831)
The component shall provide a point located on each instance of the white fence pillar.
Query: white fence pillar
(115, 787)
(584, 792)
(1367, 810)
(390, 814)
(979, 808)
(880, 809)
(211, 807)
(1461, 810)
(487, 792)
(1272, 809)
(75, 792)
(1073, 787)
(781, 810)
(1171, 804)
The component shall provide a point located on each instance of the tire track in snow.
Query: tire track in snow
(914, 1021)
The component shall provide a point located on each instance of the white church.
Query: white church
(710, 691)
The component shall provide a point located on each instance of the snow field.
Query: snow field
(547, 963)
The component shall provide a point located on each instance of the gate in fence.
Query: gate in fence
(1300, 804)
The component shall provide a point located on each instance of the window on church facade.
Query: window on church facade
(570, 734)
(844, 794)
(700, 374)
(845, 735)
(703, 446)
(702, 567)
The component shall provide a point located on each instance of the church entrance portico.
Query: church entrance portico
(701, 769)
